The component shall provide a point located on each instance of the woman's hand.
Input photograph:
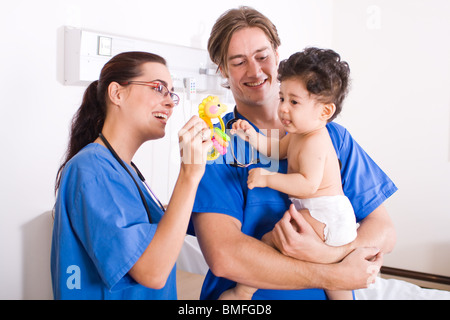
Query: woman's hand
(195, 142)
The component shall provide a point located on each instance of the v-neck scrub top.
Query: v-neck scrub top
(100, 230)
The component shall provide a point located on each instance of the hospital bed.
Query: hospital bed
(392, 284)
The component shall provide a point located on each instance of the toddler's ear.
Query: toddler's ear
(328, 111)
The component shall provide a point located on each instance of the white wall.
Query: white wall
(399, 114)
(36, 107)
(399, 110)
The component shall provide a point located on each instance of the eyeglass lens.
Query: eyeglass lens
(165, 91)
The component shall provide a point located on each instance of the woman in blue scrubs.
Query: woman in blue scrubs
(112, 238)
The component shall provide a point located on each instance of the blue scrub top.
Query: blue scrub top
(100, 230)
(224, 190)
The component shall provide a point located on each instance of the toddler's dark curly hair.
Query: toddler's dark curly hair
(323, 73)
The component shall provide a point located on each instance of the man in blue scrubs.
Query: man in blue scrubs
(230, 219)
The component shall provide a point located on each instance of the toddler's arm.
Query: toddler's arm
(302, 184)
(259, 141)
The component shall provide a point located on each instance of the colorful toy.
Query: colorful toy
(211, 108)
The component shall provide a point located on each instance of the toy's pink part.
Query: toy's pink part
(218, 147)
(213, 109)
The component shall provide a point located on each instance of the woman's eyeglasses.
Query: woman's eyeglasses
(158, 87)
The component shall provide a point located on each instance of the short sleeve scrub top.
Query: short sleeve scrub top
(101, 229)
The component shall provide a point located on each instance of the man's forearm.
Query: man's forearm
(233, 255)
(377, 230)
(256, 264)
(273, 270)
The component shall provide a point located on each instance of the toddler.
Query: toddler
(314, 83)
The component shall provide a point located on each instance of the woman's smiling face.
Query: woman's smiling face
(147, 109)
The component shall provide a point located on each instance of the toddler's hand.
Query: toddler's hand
(257, 178)
(243, 130)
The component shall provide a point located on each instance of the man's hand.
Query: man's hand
(295, 237)
(358, 270)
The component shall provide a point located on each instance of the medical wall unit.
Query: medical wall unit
(86, 52)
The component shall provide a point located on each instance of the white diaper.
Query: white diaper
(336, 212)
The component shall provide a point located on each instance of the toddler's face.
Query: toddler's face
(298, 110)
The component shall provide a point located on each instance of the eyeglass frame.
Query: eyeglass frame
(157, 86)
